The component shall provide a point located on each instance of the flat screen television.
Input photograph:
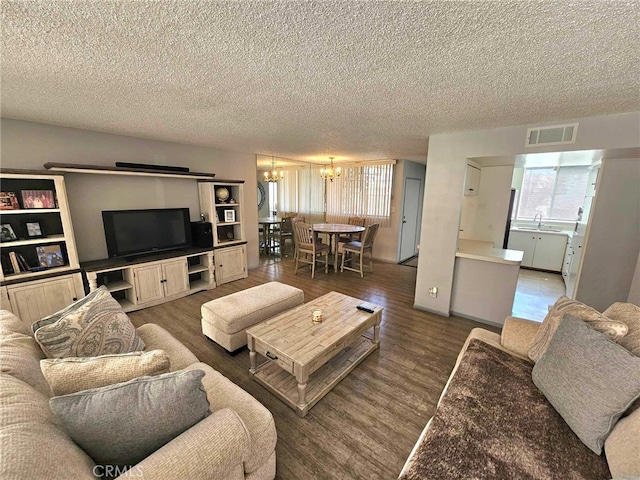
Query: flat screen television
(130, 233)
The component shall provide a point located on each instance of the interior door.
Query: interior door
(410, 211)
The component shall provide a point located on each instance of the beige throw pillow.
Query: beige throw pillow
(629, 314)
(74, 374)
(95, 326)
(613, 329)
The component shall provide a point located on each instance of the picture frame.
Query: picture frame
(34, 229)
(36, 199)
(229, 216)
(9, 201)
(50, 256)
(6, 233)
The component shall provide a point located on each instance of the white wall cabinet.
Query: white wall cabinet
(472, 180)
(153, 280)
(544, 251)
(231, 264)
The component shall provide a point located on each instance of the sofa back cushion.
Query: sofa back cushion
(33, 444)
(20, 355)
(629, 314)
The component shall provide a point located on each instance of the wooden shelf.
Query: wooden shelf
(107, 170)
(33, 241)
(222, 224)
(34, 275)
(118, 286)
(197, 268)
(198, 285)
(30, 211)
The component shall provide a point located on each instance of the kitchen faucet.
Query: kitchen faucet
(540, 221)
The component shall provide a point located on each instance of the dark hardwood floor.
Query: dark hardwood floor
(367, 425)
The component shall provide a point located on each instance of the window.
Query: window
(361, 191)
(554, 192)
(302, 191)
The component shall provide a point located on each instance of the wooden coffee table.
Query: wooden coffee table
(304, 359)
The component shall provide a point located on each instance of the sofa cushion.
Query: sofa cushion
(9, 323)
(629, 314)
(623, 448)
(32, 442)
(590, 380)
(20, 356)
(223, 393)
(73, 374)
(563, 305)
(97, 326)
(494, 422)
(124, 423)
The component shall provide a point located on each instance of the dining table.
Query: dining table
(333, 229)
(267, 224)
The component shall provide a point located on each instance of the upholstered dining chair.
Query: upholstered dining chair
(357, 221)
(308, 249)
(360, 248)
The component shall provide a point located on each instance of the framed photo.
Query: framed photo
(38, 199)
(229, 216)
(50, 256)
(34, 229)
(6, 233)
(9, 201)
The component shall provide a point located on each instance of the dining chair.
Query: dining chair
(357, 221)
(307, 249)
(360, 248)
(285, 233)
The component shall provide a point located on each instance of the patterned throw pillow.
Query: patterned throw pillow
(629, 314)
(596, 320)
(97, 326)
(73, 374)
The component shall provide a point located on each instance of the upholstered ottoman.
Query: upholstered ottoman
(225, 319)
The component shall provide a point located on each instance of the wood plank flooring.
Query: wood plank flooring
(535, 292)
(366, 426)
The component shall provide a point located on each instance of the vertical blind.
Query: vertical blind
(554, 192)
(302, 191)
(361, 191)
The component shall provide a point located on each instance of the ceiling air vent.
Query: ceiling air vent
(556, 135)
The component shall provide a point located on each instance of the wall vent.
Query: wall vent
(555, 135)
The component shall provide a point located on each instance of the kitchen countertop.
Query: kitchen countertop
(567, 233)
(484, 251)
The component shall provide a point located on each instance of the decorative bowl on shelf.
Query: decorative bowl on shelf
(222, 194)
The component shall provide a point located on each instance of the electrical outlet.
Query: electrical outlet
(433, 292)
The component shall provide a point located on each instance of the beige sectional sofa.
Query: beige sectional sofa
(527, 439)
(237, 441)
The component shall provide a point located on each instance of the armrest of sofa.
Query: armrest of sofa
(622, 447)
(517, 334)
(156, 337)
(213, 448)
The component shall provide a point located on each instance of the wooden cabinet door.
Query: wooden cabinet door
(472, 180)
(231, 264)
(175, 277)
(525, 242)
(33, 301)
(148, 283)
(549, 253)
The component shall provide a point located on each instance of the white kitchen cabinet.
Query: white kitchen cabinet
(231, 264)
(544, 251)
(472, 180)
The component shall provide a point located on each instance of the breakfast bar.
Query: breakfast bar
(483, 272)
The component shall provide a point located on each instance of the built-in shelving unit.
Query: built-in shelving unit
(40, 271)
(107, 170)
(154, 279)
(221, 201)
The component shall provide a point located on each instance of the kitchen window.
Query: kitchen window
(554, 192)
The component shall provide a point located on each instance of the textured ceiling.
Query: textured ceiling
(307, 80)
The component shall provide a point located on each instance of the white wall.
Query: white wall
(484, 216)
(613, 237)
(30, 145)
(634, 291)
(446, 162)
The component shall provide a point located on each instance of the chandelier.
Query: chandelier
(330, 172)
(275, 174)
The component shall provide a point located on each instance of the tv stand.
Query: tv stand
(150, 280)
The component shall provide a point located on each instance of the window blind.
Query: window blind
(361, 191)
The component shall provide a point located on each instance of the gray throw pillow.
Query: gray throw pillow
(589, 380)
(124, 423)
(93, 326)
